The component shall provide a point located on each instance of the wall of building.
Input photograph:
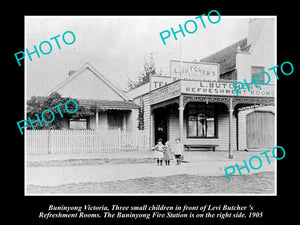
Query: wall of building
(146, 99)
(262, 52)
(87, 85)
(262, 37)
(173, 125)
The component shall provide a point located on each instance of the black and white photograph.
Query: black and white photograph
(151, 105)
(145, 115)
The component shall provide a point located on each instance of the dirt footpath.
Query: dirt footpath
(40, 170)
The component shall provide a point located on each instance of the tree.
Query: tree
(144, 77)
(37, 104)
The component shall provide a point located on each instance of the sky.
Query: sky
(119, 45)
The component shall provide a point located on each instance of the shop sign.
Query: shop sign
(194, 70)
(159, 81)
(165, 93)
(224, 88)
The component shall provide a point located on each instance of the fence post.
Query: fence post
(49, 141)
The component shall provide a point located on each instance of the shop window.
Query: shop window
(255, 70)
(78, 124)
(201, 121)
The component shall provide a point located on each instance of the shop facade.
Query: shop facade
(203, 121)
(198, 104)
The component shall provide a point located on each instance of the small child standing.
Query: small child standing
(167, 153)
(178, 150)
(158, 152)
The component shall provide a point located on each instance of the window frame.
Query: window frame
(78, 120)
(263, 69)
(197, 106)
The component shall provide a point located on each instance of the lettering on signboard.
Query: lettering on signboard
(219, 88)
(194, 70)
(165, 93)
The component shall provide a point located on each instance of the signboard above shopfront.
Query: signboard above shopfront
(165, 93)
(190, 71)
(194, 70)
(224, 88)
(159, 81)
(210, 88)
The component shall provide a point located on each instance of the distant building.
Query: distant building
(92, 89)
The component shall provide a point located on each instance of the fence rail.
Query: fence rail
(84, 141)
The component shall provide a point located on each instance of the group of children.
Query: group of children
(165, 152)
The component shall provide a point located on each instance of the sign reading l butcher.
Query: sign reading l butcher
(194, 70)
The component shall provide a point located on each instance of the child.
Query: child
(167, 153)
(178, 150)
(158, 152)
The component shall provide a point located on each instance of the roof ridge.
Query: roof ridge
(226, 57)
(91, 67)
(244, 39)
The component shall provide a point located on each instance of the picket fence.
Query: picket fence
(84, 141)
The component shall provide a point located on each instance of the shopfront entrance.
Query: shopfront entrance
(161, 124)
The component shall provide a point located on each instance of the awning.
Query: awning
(108, 104)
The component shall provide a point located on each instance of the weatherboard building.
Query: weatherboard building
(198, 103)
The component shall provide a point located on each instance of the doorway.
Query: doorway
(260, 129)
(161, 124)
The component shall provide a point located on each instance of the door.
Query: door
(260, 129)
(161, 125)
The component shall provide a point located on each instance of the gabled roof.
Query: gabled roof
(97, 73)
(226, 57)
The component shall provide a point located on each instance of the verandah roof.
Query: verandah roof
(108, 104)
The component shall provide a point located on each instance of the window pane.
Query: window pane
(210, 111)
(192, 128)
(192, 118)
(201, 108)
(255, 70)
(201, 122)
(80, 124)
(192, 112)
(201, 128)
(201, 125)
(210, 127)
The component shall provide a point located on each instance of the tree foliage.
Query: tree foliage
(144, 77)
(37, 104)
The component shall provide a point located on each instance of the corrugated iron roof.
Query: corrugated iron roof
(226, 57)
(108, 104)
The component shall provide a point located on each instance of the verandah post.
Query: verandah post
(151, 130)
(181, 108)
(97, 119)
(230, 129)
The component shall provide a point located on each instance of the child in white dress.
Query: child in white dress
(158, 152)
(178, 150)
